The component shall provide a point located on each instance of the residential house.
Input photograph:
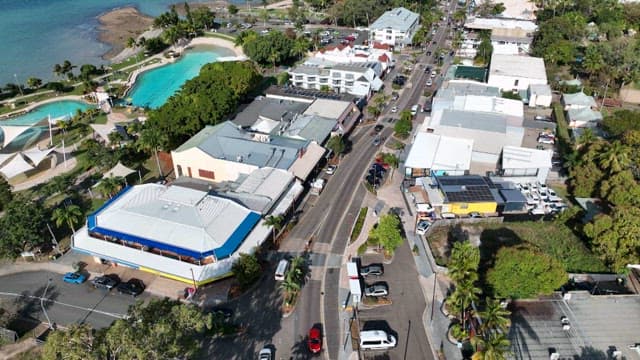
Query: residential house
(360, 79)
(578, 100)
(349, 54)
(225, 152)
(580, 110)
(395, 27)
(516, 73)
(511, 41)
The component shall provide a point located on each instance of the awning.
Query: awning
(289, 198)
(5, 157)
(36, 155)
(12, 132)
(16, 166)
(303, 166)
(103, 131)
(119, 171)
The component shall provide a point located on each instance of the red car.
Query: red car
(315, 340)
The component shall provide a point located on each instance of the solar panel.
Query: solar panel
(461, 180)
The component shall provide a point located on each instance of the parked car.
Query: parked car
(433, 74)
(546, 139)
(376, 141)
(372, 269)
(422, 227)
(331, 169)
(377, 290)
(265, 354)
(133, 287)
(314, 343)
(107, 282)
(429, 53)
(394, 109)
(74, 278)
(373, 181)
(378, 128)
(429, 82)
(414, 109)
(394, 97)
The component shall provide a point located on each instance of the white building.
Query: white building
(360, 79)
(511, 41)
(516, 9)
(433, 154)
(516, 73)
(477, 23)
(395, 27)
(350, 54)
(521, 165)
(540, 95)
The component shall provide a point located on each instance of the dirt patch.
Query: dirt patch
(119, 25)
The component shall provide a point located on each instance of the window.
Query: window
(324, 80)
(336, 82)
(311, 79)
(207, 174)
(516, 83)
(348, 83)
(348, 76)
(179, 171)
(336, 75)
(298, 77)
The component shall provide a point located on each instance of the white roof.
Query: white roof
(303, 166)
(103, 130)
(12, 132)
(514, 157)
(5, 157)
(437, 152)
(267, 182)
(174, 215)
(500, 23)
(119, 171)
(16, 166)
(489, 104)
(331, 109)
(517, 66)
(36, 155)
(516, 9)
(265, 125)
(292, 194)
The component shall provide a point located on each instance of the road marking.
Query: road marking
(118, 316)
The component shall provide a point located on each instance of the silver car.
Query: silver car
(377, 290)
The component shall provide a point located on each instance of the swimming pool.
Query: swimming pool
(55, 109)
(154, 87)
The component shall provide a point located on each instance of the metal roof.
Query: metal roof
(185, 221)
(584, 114)
(399, 19)
(525, 158)
(474, 120)
(579, 98)
(527, 67)
(310, 127)
(267, 108)
(468, 188)
(437, 152)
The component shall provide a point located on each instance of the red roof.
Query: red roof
(383, 58)
(377, 45)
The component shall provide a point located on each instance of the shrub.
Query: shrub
(363, 248)
(357, 228)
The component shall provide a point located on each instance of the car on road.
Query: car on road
(422, 227)
(376, 141)
(106, 282)
(377, 290)
(429, 82)
(372, 269)
(373, 180)
(414, 110)
(394, 109)
(331, 169)
(265, 354)
(433, 74)
(314, 343)
(395, 96)
(378, 128)
(74, 278)
(429, 53)
(133, 287)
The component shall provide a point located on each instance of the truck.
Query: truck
(317, 186)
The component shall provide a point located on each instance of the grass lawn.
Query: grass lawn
(553, 238)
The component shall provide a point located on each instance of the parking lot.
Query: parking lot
(398, 318)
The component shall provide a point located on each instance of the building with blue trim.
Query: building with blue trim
(185, 233)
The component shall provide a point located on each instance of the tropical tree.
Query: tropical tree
(34, 82)
(77, 342)
(69, 215)
(388, 233)
(246, 269)
(290, 286)
(22, 226)
(300, 47)
(57, 70)
(494, 317)
(151, 140)
(297, 271)
(615, 158)
(131, 42)
(5, 193)
(615, 237)
(275, 222)
(336, 144)
(403, 126)
(109, 186)
(494, 346)
(464, 261)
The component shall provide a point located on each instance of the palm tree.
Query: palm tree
(131, 42)
(109, 186)
(290, 285)
(616, 157)
(275, 221)
(300, 47)
(464, 261)
(297, 269)
(69, 215)
(494, 347)
(494, 317)
(57, 70)
(151, 140)
(465, 294)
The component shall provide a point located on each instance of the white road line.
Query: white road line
(118, 316)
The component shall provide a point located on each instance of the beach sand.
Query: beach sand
(120, 24)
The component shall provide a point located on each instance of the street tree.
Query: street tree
(77, 342)
(275, 222)
(494, 317)
(336, 144)
(246, 269)
(403, 126)
(22, 226)
(388, 233)
(69, 215)
(494, 346)
(463, 262)
(522, 272)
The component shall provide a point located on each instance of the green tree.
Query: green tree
(22, 227)
(290, 285)
(521, 272)
(283, 78)
(131, 42)
(34, 82)
(232, 9)
(388, 233)
(494, 346)
(615, 237)
(275, 222)
(464, 261)
(151, 140)
(270, 49)
(246, 269)
(615, 158)
(621, 121)
(494, 317)
(5, 193)
(109, 186)
(463, 296)
(336, 144)
(69, 215)
(403, 126)
(77, 342)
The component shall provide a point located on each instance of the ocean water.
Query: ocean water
(36, 34)
(153, 87)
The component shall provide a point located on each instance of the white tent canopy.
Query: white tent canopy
(12, 132)
(16, 166)
(119, 171)
(36, 155)
(5, 157)
(103, 131)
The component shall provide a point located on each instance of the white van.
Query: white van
(448, 215)
(376, 340)
(281, 270)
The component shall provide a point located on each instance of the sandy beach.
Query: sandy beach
(118, 25)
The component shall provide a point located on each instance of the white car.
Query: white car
(265, 354)
(423, 225)
(542, 187)
(429, 82)
(414, 110)
(331, 169)
(394, 109)
(433, 74)
(546, 140)
(376, 290)
(537, 211)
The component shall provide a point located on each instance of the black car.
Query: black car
(133, 287)
(378, 174)
(378, 168)
(373, 181)
(428, 53)
(107, 282)
(378, 128)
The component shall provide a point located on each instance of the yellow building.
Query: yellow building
(463, 195)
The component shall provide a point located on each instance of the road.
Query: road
(65, 303)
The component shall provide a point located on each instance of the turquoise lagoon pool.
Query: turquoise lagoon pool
(153, 87)
(55, 109)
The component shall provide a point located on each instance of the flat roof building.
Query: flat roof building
(432, 154)
(515, 73)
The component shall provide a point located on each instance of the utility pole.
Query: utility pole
(42, 304)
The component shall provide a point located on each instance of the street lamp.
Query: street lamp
(15, 76)
(42, 303)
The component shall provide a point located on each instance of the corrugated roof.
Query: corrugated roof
(399, 19)
(437, 152)
(580, 99)
(584, 115)
(517, 66)
(331, 109)
(310, 127)
(525, 158)
(474, 121)
(272, 109)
